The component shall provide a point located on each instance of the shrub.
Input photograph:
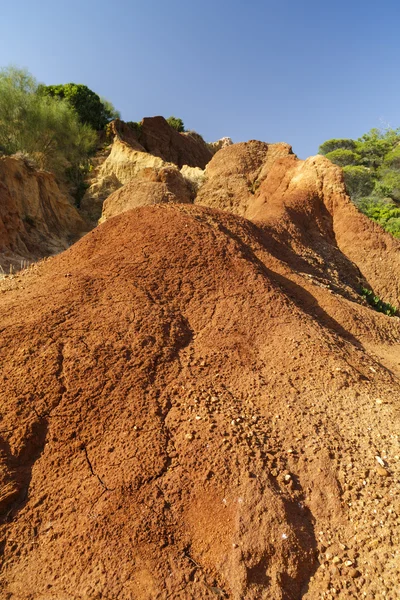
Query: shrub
(371, 167)
(386, 213)
(388, 183)
(176, 123)
(378, 304)
(392, 158)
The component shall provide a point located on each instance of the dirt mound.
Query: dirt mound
(182, 419)
(36, 217)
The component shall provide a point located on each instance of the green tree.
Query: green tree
(45, 128)
(359, 181)
(374, 145)
(176, 123)
(392, 158)
(91, 109)
(343, 157)
(336, 144)
(388, 184)
(371, 167)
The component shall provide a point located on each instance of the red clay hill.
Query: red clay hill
(195, 404)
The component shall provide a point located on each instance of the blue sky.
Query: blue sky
(299, 72)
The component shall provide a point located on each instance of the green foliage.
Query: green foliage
(377, 303)
(388, 184)
(383, 212)
(392, 158)
(91, 109)
(343, 157)
(46, 129)
(371, 167)
(359, 181)
(374, 145)
(42, 130)
(336, 144)
(176, 123)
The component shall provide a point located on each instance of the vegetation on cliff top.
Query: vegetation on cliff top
(91, 109)
(371, 166)
(53, 125)
(176, 123)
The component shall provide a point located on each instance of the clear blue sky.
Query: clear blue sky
(294, 71)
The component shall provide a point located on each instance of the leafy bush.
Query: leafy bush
(383, 212)
(91, 109)
(377, 303)
(176, 123)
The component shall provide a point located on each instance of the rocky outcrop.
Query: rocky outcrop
(123, 163)
(159, 139)
(151, 145)
(219, 144)
(36, 217)
(310, 220)
(233, 175)
(151, 186)
(194, 177)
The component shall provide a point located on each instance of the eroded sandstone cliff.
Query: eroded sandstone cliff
(37, 218)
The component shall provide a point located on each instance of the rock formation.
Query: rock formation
(150, 186)
(158, 138)
(155, 146)
(222, 143)
(122, 165)
(36, 217)
(304, 207)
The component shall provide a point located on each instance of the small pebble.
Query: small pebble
(354, 573)
(382, 472)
